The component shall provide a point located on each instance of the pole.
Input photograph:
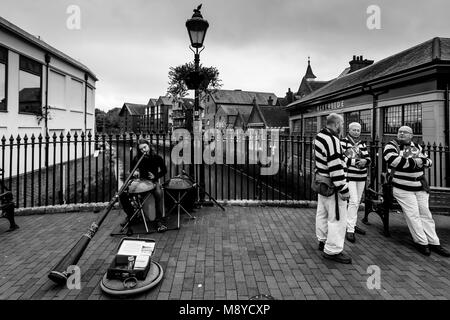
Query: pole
(47, 70)
(446, 136)
(198, 124)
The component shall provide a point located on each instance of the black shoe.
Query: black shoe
(351, 237)
(321, 245)
(423, 249)
(358, 230)
(129, 231)
(439, 250)
(340, 257)
(12, 228)
(161, 227)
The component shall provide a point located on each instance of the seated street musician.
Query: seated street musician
(152, 167)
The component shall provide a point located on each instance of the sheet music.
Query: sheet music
(136, 248)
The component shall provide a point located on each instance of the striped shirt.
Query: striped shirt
(407, 174)
(329, 159)
(360, 152)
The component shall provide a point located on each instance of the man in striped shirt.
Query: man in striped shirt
(406, 164)
(358, 160)
(329, 162)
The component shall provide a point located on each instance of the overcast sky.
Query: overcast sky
(257, 45)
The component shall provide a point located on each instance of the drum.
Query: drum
(140, 186)
(180, 184)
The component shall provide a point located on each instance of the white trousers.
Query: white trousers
(356, 189)
(328, 229)
(418, 216)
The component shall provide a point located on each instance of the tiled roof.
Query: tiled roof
(307, 87)
(6, 25)
(234, 110)
(309, 74)
(242, 97)
(152, 102)
(165, 100)
(134, 109)
(275, 117)
(426, 52)
(244, 116)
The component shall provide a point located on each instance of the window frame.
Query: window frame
(40, 113)
(5, 62)
(358, 114)
(306, 126)
(415, 106)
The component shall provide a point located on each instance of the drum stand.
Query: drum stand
(177, 203)
(135, 199)
(197, 185)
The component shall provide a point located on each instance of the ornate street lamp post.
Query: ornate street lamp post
(196, 27)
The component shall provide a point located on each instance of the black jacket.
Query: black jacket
(151, 163)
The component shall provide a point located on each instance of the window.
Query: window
(350, 117)
(56, 90)
(404, 115)
(323, 121)
(30, 97)
(90, 100)
(3, 66)
(297, 126)
(363, 117)
(76, 97)
(310, 126)
(412, 117)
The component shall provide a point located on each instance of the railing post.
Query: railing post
(25, 140)
(55, 137)
(18, 139)
(3, 164)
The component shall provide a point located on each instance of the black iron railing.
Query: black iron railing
(85, 168)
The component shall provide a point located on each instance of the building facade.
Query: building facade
(407, 88)
(182, 113)
(268, 117)
(232, 101)
(42, 89)
(133, 115)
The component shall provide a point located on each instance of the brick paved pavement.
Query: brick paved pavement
(235, 254)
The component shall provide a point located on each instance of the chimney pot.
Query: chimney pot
(354, 57)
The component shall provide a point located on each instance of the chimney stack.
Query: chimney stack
(289, 96)
(270, 101)
(358, 63)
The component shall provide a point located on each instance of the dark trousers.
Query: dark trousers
(8, 212)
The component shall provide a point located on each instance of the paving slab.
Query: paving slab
(236, 254)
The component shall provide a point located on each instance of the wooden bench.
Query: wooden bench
(7, 206)
(439, 203)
